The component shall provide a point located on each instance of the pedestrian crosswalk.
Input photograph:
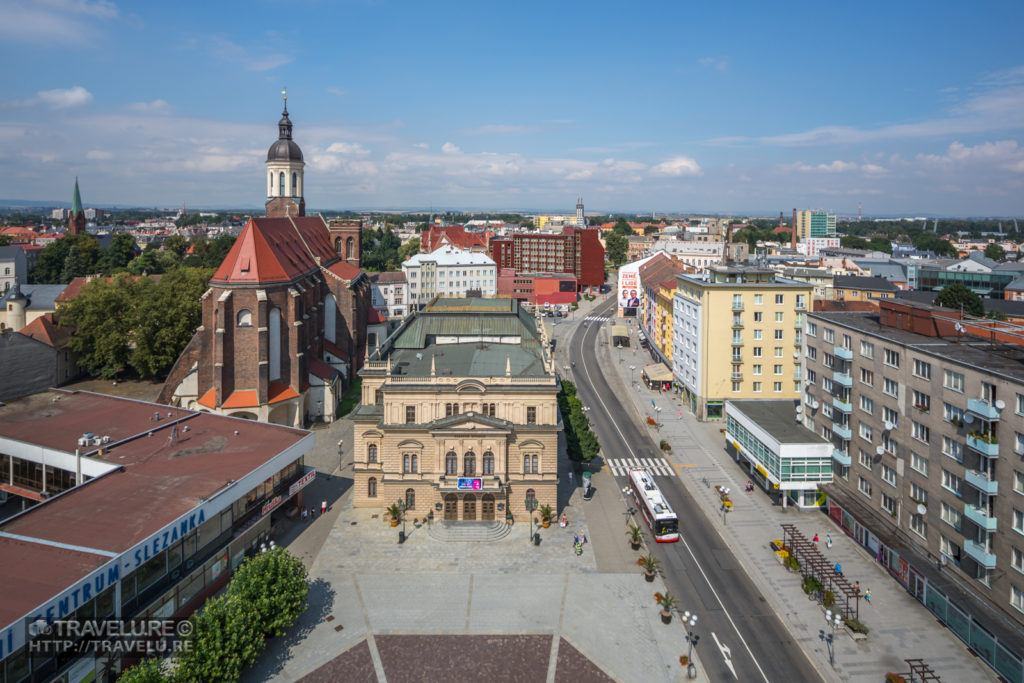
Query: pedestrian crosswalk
(656, 466)
(597, 318)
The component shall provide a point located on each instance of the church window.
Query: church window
(469, 464)
(451, 463)
(350, 248)
(245, 318)
(371, 488)
(280, 185)
(371, 453)
(295, 184)
(488, 463)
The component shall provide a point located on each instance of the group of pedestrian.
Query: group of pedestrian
(310, 514)
(577, 543)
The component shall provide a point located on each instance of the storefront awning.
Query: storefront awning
(657, 373)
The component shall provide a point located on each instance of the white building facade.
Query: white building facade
(450, 272)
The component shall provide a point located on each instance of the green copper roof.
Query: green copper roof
(76, 203)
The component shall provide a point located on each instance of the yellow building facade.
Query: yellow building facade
(738, 335)
(459, 416)
(663, 333)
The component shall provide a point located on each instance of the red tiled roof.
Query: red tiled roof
(334, 350)
(241, 398)
(209, 399)
(322, 370)
(279, 391)
(19, 234)
(45, 329)
(375, 317)
(272, 250)
(346, 271)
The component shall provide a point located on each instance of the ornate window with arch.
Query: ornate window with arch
(488, 463)
(350, 248)
(410, 499)
(469, 464)
(280, 185)
(295, 184)
(245, 318)
(410, 463)
(530, 464)
(451, 463)
(371, 487)
(371, 453)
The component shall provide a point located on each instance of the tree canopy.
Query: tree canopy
(995, 252)
(54, 266)
(135, 324)
(380, 250)
(615, 246)
(407, 250)
(957, 295)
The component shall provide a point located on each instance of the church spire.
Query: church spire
(76, 203)
(284, 126)
(76, 220)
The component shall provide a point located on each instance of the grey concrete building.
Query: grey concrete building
(927, 426)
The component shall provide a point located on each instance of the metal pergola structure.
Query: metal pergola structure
(919, 671)
(813, 563)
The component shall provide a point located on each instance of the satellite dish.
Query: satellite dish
(968, 418)
(889, 426)
(799, 409)
(815, 405)
(880, 450)
(796, 354)
(959, 328)
(921, 509)
(1000, 404)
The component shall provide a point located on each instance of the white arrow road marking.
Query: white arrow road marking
(725, 655)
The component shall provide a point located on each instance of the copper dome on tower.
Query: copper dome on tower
(285, 149)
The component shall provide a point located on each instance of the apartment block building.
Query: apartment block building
(574, 250)
(927, 426)
(814, 224)
(449, 271)
(762, 316)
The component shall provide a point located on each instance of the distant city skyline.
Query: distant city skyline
(663, 107)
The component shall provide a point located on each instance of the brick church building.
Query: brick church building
(284, 319)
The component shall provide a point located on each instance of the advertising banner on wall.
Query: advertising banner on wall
(629, 287)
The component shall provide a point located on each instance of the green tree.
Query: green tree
(74, 265)
(622, 227)
(147, 671)
(177, 244)
(49, 266)
(5, 241)
(120, 253)
(226, 639)
(651, 229)
(218, 251)
(165, 317)
(880, 244)
(274, 586)
(146, 263)
(408, 250)
(101, 317)
(929, 241)
(853, 242)
(957, 295)
(995, 252)
(616, 246)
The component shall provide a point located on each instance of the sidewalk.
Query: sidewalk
(900, 627)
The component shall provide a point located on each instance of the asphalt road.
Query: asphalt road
(741, 638)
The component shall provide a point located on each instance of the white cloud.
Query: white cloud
(502, 129)
(720, 64)
(1004, 154)
(155, 107)
(55, 21)
(65, 98)
(449, 148)
(235, 53)
(98, 8)
(336, 91)
(349, 148)
(677, 166)
(99, 155)
(421, 145)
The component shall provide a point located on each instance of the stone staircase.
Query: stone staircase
(477, 532)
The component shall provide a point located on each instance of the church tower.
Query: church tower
(580, 221)
(284, 172)
(76, 219)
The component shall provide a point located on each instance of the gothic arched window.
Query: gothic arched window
(451, 463)
(295, 184)
(371, 488)
(350, 247)
(469, 464)
(280, 185)
(488, 463)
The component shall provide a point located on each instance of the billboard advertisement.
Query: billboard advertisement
(629, 291)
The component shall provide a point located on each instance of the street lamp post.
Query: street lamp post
(689, 622)
(619, 346)
(531, 505)
(833, 622)
(631, 369)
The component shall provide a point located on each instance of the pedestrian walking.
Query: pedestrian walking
(570, 477)
(312, 513)
(867, 595)
(575, 539)
(305, 515)
(584, 539)
(828, 540)
(856, 586)
(323, 507)
(815, 539)
(679, 415)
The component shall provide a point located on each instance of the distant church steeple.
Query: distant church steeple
(284, 172)
(580, 220)
(76, 220)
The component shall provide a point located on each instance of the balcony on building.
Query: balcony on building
(737, 305)
(979, 554)
(737, 377)
(982, 482)
(842, 405)
(979, 443)
(841, 457)
(842, 431)
(843, 352)
(737, 324)
(843, 379)
(737, 341)
(982, 409)
(737, 358)
(980, 516)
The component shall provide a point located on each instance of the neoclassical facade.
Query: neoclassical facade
(459, 414)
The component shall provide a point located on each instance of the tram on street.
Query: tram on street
(653, 507)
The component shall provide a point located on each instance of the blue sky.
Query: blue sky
(731, 107)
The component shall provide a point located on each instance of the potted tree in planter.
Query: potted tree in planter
(636, 536)
(395, 512)
(651, 565)
(545, 515)
(667, 602)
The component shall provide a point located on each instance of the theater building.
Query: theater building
(142, 512)
(459, 415)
